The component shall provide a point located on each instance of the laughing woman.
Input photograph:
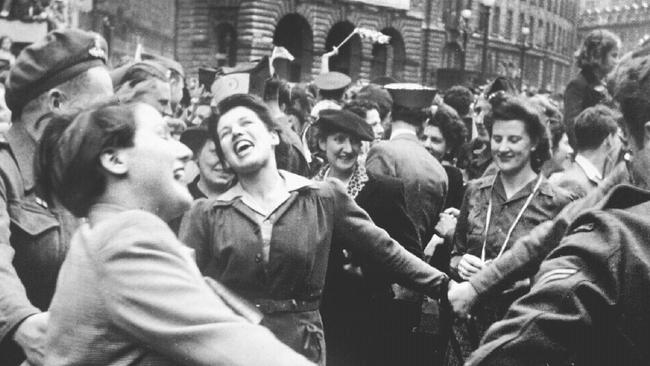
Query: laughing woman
(499, 209)
(269, 237)
(129, 292)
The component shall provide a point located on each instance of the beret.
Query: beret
(195, 138)
(408, 95)
(332, 80)
(59, 57)
(346, 121)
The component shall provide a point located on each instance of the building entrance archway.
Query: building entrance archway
(294, 33)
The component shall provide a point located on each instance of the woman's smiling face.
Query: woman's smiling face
(342, 151)
(246, 142)
(511, 146)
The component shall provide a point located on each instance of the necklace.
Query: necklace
(515, 222)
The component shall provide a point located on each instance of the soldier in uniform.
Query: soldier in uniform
(66, 70)
(425, 182)
(589, 302)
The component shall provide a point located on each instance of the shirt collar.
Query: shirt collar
(590, 170)
(293, 182)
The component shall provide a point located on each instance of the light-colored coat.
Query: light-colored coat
(129, 293)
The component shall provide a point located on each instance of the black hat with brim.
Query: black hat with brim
(345, 121)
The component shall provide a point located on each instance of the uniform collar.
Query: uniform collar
(592, 173)
(23, 148)
(403, 133)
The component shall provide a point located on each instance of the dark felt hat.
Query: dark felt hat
(411, 96)
(195, 138)
(59, 57)
(346, 121)
(332, 80)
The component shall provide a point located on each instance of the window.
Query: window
(540, 36)
(509, 19)
(496, 20)
(531, 26)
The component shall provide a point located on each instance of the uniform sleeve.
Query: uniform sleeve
(377, 164)
(194, 231)
(155, 294)
(554, 322)
(14, 304)
(367, 240)
(460, 235)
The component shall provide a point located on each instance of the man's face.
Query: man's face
(96, 88)
(158, 96)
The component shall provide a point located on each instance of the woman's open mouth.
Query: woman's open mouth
(242, 146)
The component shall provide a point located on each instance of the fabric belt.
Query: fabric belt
(268, 306)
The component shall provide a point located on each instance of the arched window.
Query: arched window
(226, 37)
(389, 59)
(451, 56)
(293, 32)
(348, 61)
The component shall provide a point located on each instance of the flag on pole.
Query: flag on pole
(373, 35)
(279, 52)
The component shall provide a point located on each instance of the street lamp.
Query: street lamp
(487, 6)
(465, 15)
(523, 47)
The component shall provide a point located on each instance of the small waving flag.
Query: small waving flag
(279, 52)
(373, 35)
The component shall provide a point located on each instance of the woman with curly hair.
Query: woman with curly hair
(443, 135)
(498, 209)
(596, 58)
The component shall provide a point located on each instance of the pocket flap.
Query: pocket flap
(31, 217)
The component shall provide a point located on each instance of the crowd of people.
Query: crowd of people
(150, 218)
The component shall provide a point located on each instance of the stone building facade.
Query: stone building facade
(546, 50)
(426, 37)
(630, 22)
(125, 23)
(221, 33)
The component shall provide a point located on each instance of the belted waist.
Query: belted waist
(268, 306)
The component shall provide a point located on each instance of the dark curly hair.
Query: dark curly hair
(507, 107)
(459, 98)
(452, 128)
(595, 48)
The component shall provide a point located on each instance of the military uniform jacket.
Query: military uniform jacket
(589, 304)
(425, 180)
(33, 237)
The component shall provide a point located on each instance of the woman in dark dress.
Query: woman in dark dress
(596, 58)
(269, 237)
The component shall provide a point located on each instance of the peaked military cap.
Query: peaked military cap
(59, 57)
(346, 121)
(411, 96)
(332, 80)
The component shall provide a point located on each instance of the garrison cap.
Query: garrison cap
(411, 96)
(59, 57)
(332, 80)
(151, 67)
(167, 62)
(346, 121)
